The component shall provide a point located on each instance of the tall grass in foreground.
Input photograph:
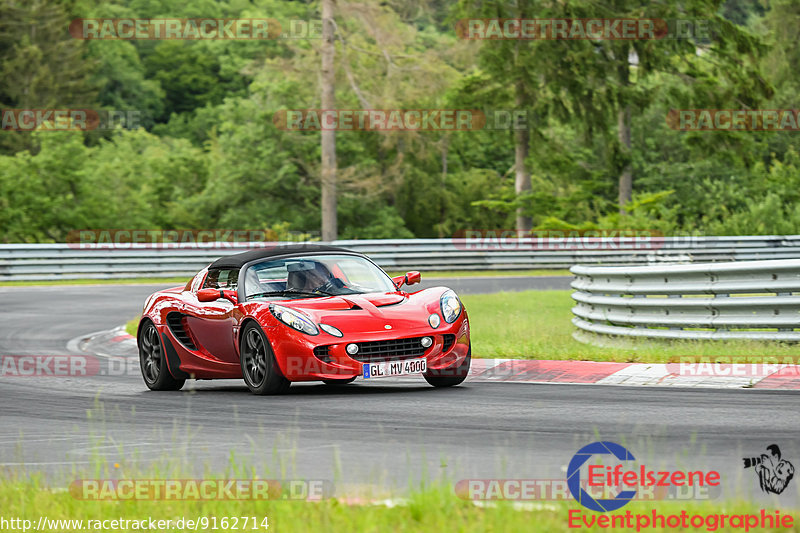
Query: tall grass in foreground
(435, 509)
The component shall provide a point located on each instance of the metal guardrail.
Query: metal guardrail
(758, 300)
(42, 262)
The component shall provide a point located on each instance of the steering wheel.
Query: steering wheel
(331, 285)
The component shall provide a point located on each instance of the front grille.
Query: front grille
(323, 353)
(391, 350)
(448, 340)
(175, 323)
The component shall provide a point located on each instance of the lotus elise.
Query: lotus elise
(278, 315)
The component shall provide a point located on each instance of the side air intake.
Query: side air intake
(178, 328)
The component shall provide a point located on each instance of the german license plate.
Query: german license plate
(395, 368)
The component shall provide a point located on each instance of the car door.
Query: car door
(213, 323)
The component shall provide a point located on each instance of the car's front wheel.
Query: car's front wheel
(449, 377)
(153, 362)
(259, 368)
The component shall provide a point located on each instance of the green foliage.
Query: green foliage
(208, 153)
(190, 77)
(124, 82)
(41, 66)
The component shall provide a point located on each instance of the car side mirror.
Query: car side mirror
(208, 295)
(410, 278)
(212, 295)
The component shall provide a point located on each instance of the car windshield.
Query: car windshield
(315, 276)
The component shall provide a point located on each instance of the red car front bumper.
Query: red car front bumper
(323, 356)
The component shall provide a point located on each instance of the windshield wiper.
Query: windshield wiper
(314, 292)
(291, 291)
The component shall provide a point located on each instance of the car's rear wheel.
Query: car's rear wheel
(339, 381)
(449, 377)
(153, 362)
(259, 368)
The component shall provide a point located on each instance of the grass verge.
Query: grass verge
(132, 325)
(432, 509)
(537, 325)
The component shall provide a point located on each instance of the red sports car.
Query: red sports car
(301, 313)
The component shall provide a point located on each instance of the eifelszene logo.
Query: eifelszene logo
(626, 481)
(574, 476)
(774, 473)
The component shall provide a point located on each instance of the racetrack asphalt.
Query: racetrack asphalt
(380, 435)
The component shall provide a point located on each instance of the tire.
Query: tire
(259, 368)
(153, 362)
(335, 382)
(450, 377)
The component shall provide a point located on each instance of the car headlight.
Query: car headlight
(294, 319)
(330, 330)
(451, 306)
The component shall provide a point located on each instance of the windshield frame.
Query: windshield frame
(242, 272)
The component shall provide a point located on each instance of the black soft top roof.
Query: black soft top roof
(239, 260)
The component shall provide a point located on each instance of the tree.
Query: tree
(730, 50)
(41, 65)
(328, 136)
(513, 63)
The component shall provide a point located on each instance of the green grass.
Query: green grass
(132, 325)
(537, 325)
(430, 509)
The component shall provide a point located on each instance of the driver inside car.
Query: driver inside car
(307, 276)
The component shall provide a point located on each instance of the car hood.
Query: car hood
(371, 312)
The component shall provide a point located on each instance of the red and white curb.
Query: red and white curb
(718, 376)
(107, 343)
